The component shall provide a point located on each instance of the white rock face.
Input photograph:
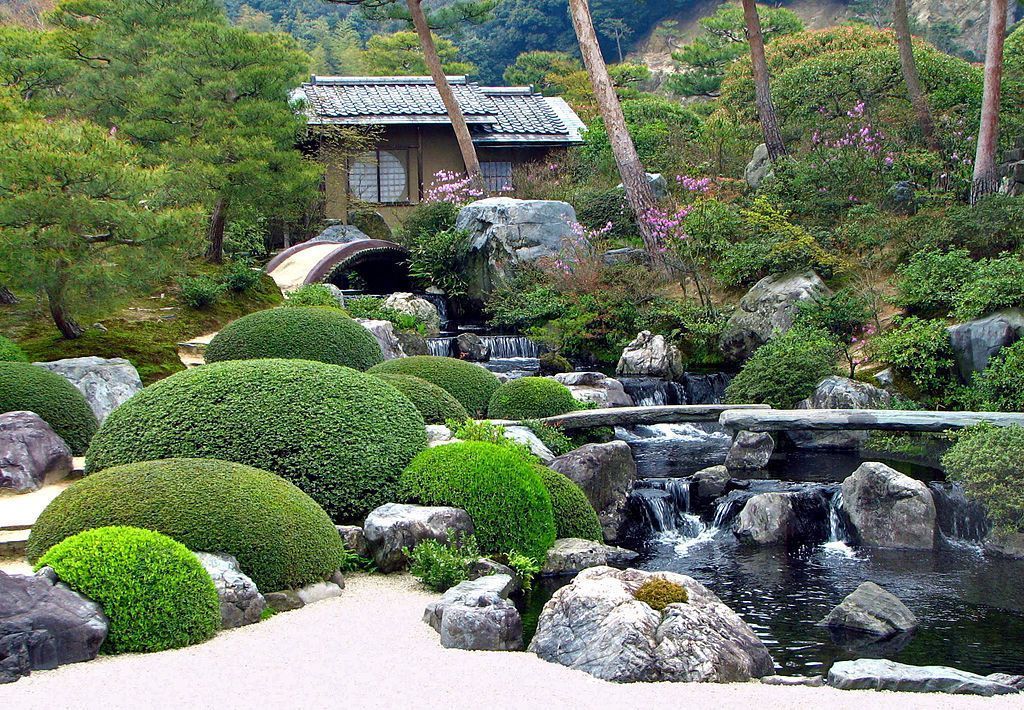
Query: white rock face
(595, 387)
(393, 527)
(419, 307)
(106, 384)
(650, 356)
(384, 332)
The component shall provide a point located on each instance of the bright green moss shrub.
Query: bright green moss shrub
(312, 295)
(341, 436)
(471, 384)
(26, 387)
(499, 488)
(10, 352)
(659, 593)
(154, 591)
(574, 516)
(531, 398)
(434, 403)
(279, 535)
(311, 333)
(989, 462)
(785, 370)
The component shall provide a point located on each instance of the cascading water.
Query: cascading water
(840, 536)
(653, 392)
(958, 517)
(441, 304)
(664, 505)
(664, 450)
(706, 389)
(441, 347)
(507, 347)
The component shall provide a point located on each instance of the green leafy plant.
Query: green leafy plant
(373, 309)
(526, 568)
(200, 292)
(239, 277)
(997, 284)
(478, 430)
(1000, 386)
(920, 352)
(471, 384)
(574, 516)
(10, 352)
(436, 258)
(312, 295)
(989, 462)
(434, 403)
(785, 370)
(25, 387)
(441, 566)
(530, 398)
(931, 281)
(554, 439)
(658, 593)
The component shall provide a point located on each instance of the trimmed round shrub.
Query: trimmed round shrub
(341, 436)
(10, 352)
(435, 404)
(279, 535)
(574, 516)
(26, 387)
(658, 593)
(785, 370)
(154, 591)
(531, 398)
(498, 487)
(298, 333)
(471, 384)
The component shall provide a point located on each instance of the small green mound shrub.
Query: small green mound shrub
(312, 295)
(531, 398)
(154, 592)
(239, 277)
(931, 281)
(596, 210)
(989, 462)
(920, 353)
(1000, 386)
(554, 364)
(27, 387)
(471, 384)
(10, 352)
(440, 567)
(997, 284)
(341, 436)
(574, 516)
(321, 334)
(434, 403)
(499, 488)
(658, 593)
(279, 535)
(785, 370)
(200, 292)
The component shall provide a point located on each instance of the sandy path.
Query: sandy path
(369, 649)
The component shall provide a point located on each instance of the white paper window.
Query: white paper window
(380, 177)
(498, 175)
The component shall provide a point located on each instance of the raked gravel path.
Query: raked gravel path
(370, 649)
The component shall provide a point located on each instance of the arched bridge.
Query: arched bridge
(380, 264)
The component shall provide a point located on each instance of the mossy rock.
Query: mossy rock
(471, 384)
(435, 404)
(26, 387)
(531, 398)
(658, 593)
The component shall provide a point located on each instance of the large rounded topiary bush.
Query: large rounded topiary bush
(152, 589)
(574, 516)
(35, 389)
(300, 333)
(10, 352)
(341, 436)
(471, 384)
(499, 488)
(279, 535)
(531, 398)
(434, 403)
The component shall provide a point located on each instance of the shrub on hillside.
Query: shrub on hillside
(997, 284)
(531, 398)
(239, 277)
(154, 592)
(200, 291)
(596, 210)
(341, 436)
(1000, 386)
(434, 403)
(312, 295)
(53, 398)
(574, 516)
(499, 488)
(471, 384)
(931, 281)
(10, 352)
(785, 370)
(989, 462)
(321, 334)
(426, 219)
(279, 535)
(920, 352)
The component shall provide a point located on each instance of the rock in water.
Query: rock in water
(650, 356)
(888, 509)
(978, 341)
(606, 473)
(106, 384)
(240, 601)
(595, 387)
(881, 674)
(472, 347)
(420, 308)
(395, 526)
(873, 611)
(31, 453)
(384, 332)
(750, 451)
(839, 393)
(786, 518)
(571, 555)
(596, 625)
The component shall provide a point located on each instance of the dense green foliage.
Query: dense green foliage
(659, 593)
(200, 292)
(531, 398)
(434, 403)
(440, 567)
(341, 436)
(997, 284)
(989, 462)
(920, 352)
(153, 591)
(10, 352)
(471, 384)
(931, 282)
(574, 516)
(1000, 386)
(313, 333)
(312, 295)
(371, 308)
(279, 535)
(785, 370)
(558, 443)
(25, 387)
(499, 488)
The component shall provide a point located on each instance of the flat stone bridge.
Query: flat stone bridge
(768, 420)
(632, 416)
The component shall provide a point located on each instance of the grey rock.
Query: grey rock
(815, 681)
(767, 419)
(353, 538)
(976, 342)
(419, 308)
(650, 355)
(624, 255)
(240, 601)
(888, 509)
(31, 453)
(500, 585)
(768, 309)
(873, 611)
(438, 434)
(522, 435)
(711, 482)
(291, 599)
(472, 347)
(606, 473)
(658, 183)
(901, 198)
(595, 387)
(106, 384)
(384, 332)
(15, 659)
(285, 600)
(1014, 681)
(412, 343)
(393, 527)
(750, 451)
(571, 555)
(485, 567)
(839, 393)
(882, 674)
(484, 623)
(1011, 546)
(341, 234)
(596, 625)
(783, 518)
(759, 167)
(885, 378)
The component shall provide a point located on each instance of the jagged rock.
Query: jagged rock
(240, 601)
(978, 341)
(784, 518)
(873, 611)
(596, 625)
(291, 599)
(500, 585)
(485, 567)
(1015, 681)
(31, 453)
(419, 308)
(471, 347)
(759, 167)
(412, 343)
(522, 435)
(711, 483)
(384, 332)
(438, 434)
(888, 509)
(768, 309)
(606, 473)
(105, 383)
(882, 674)
(1011, 546)
(393, 527)
(571, 555)
(750, 451)
(486, 623)
(650, 355)
(839, 393)
(353, 538)
(624, 255)
(595, 387)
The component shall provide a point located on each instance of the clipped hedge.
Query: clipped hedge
(154, 591)
(298, 333)
(574, 516)
(26, 387)
(471, 384)
(341, 436)
(498, 487)
(531, 398)
(10, 352)
(434, 403)
(279, 535)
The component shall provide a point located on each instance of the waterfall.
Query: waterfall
(441, 304)
(664, 505)
(657, 509)
(653, 392)
(507, 347)
(838, 523)
(959, 518)
(441, 347)
(705, 389)
(728, 507)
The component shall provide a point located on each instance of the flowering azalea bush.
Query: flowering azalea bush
(453, 188)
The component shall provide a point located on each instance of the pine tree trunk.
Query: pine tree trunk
(762, 86)
(634, 178)
(67, 325)
(6, 297)
(901, 22)
(215, 232)
(433, 61)
(986, 175)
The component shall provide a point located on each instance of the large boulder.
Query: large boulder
(839, 393)
(978, 341)
(882, 674)
(241, 603)
(872, 611)
(597, 625)
(650, 356)
(750, 451)
(784, 518)
(31, 454)
(393, 527)
(606, 473)
(505, 233)
(571, 555)
(476, 615)
(384, 332)
(889, 509)
(595, 387)
(417, 307)
(106, 383)
(767, 309)
(711, 483)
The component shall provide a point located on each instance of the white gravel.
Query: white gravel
(370, 649)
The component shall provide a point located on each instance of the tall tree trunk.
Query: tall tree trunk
(634, 178)
(67, 325)
(6, 297)
(215, 231)
(986, 175)
(901, 23)
(762, 86)
(433, 61)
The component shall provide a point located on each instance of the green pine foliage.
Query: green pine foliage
(531, 398)
(25, 387)
(574, 516)
(10, 352)
(471, 384)
(434, 403)
(785, 370)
